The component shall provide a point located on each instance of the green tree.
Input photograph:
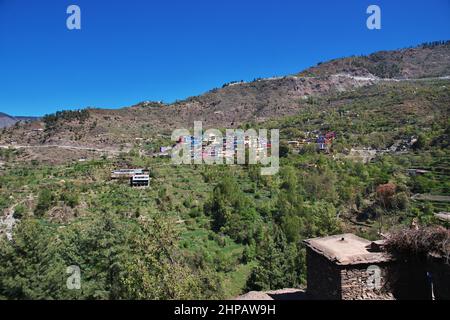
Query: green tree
(421, 143)
(118, 259)
(45, 201)
(284, 150)
(30, 266)
(232, 212)
(279, 264)
(289, 200)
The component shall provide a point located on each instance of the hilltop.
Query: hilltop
(425, 61)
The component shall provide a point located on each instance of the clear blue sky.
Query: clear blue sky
(131, 51)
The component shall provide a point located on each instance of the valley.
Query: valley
(209, 232)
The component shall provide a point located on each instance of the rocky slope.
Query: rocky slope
(8, 121)
(427, 60)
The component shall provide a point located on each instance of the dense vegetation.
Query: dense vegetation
(52, 120)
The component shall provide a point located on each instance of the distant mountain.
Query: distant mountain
(427, 60)
(8, 121)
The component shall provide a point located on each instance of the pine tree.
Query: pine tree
(278, 266)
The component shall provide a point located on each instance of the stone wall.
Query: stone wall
(329, 281)
(359, 284)
(408, 277)
(323, 278)
(402, 279)
(440, 271)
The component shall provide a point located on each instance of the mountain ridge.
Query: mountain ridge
(7, 120)
(234, 104)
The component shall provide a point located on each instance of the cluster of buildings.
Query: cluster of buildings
(214, 146)
(322, 141)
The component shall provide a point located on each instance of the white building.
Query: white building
(140, 180)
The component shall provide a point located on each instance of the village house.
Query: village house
(126, 173)
(347, 267)
(140, 180)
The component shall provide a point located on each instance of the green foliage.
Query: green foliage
(118, 260)
(421, 143)
(319, 219)
(279, 264)
(71, 199)
(207, 231)
(19, 211)
(299, 219)
(284, 150)
(232, 212)
(51, 120)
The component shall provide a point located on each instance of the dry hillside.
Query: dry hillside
(233, 104)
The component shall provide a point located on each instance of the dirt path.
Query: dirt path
(359, 78)
(430, 197)
(8, 221)
(373, 78)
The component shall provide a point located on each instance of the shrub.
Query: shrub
(19, 211)
(70, 199)
(420, 242)
(45, 201)
(385, 194)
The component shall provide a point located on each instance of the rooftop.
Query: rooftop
(347, 249)
(282, 294)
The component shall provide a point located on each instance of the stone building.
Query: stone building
(347, 267)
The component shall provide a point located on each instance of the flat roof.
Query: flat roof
(346, 249)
